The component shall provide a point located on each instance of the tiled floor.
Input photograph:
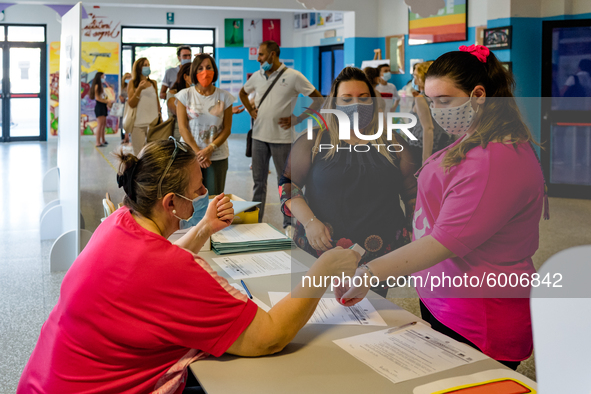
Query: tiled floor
(28, 291)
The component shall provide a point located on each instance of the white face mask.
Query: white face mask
(455, 120)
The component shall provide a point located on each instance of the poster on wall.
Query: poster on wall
(272, 30)
(304, 21)
(437, 21)
(253, 53)
(312, 19)
(320, 21)
(296, 21)
(234, 33)
(253, 32)
(231, 76)
(328, 17)
(96, 56)
(338, 17)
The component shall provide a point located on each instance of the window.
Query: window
(144, 36)
(26, 33)
(191, 37)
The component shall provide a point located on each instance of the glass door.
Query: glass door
(332, 62)
(566, 107)
(23, 99)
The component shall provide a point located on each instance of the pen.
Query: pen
(394, 329)
(246, 288)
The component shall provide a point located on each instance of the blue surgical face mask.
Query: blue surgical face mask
(146, 71)
(415, 86)
(127, 80)
(386, 77)
(200, 205)
(266, 66)
(364, 111)
(185, 61)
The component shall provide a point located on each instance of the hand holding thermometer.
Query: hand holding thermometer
(358, 249)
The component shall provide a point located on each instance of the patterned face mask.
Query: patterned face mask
(364, 113)
(455, 120)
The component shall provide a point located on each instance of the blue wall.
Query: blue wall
(525, 55)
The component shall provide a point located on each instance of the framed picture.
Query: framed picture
(508, 66)
(430, 22)
(498, 37)
(480, 34)
(395, 52)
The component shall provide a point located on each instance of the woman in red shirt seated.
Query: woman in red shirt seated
(135, 310)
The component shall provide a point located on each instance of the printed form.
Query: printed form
(329, 311)
(247, 233)
(260, 264)
(410, 352)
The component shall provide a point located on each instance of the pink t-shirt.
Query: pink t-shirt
(134, 311)
(485, 210)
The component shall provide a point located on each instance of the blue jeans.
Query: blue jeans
(261, 153)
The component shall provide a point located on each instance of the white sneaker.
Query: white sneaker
(289, 231)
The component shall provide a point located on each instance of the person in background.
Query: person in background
(183, 54)
(580, 83)
(340, 198)
(183, 81)
(388, 90)
(143, 95)
(431, 137)
(136, 310)
(204, 114)
(478, 211)
(271, 134)
(123, 99)
(101, 109)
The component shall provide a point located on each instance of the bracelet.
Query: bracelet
(213, 145)
(309, 221)
(367, 268)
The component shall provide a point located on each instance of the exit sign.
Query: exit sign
(170, 18)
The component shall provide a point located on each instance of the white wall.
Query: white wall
(35, 14)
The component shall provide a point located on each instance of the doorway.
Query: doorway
(332, 62)
(23, 113)
(566, 107)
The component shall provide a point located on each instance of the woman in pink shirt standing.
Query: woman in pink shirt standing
(476, 221)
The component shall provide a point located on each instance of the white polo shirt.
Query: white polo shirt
(277, 104)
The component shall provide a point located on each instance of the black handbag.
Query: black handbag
(249, 143)
(249, 134)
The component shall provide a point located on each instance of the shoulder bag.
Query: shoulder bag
(249, 134)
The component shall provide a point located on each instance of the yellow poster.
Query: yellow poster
(95, 57)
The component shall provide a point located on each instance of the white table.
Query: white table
(311, 363)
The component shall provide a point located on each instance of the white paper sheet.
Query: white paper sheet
(247, 233)
(410, 352)
(260, 264)
(329, 311)
(498, 381)
(256, 300)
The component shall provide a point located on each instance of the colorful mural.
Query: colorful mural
(96, 56)
(447, 24)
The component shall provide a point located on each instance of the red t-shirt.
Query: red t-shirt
(132, 310)
(486, 210)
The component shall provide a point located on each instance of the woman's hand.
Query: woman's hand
(143, 85)
(318, 235)
(205, 164)
(220, 213)
(349, 295)
(203, 156)
(339, 261)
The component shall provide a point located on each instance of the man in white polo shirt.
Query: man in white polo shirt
(183, 53)
(271, 133)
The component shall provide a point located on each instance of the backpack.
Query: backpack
(576, 90)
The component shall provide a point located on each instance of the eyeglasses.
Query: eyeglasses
(177, 145)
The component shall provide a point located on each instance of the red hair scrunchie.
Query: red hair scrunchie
(480, 51)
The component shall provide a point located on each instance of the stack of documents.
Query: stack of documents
(259, 237)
